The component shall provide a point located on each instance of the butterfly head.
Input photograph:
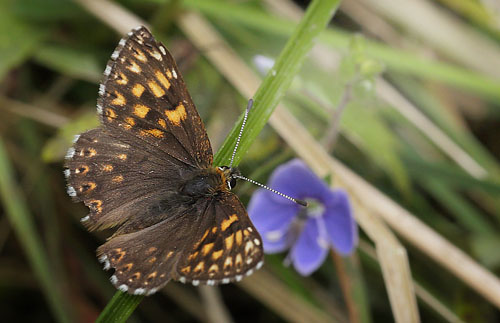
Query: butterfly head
(230, 175)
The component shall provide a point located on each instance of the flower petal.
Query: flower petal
(308, 254)
(340, 224)
(295, 179)
(271, 220)
(276, 245)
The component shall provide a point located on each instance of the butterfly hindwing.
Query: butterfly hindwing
(227, 246)
(144, 94)
(145, 260)
(213, 242)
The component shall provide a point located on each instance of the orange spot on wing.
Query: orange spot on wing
(229, 241)
(206, 248)
(239, 260)
(119, 100)
(134, 67)
(110, 114)
(122, 156)
(199, 267)
(156, 89)
(156, 55)
(227, 222)
(141, 110)
(107, 168)
(201, 240)
(87, 187)
(162, 79)
(162, 123)
(239, 237)
(91, 152)
(82, 170)
(127, 267)
(95, 205)
(177, 115)
(130, 121)
(153, 132)
(140, 56)
(213, 269)
(117, 179)
(137, 90)
(118, 255)
(150, 277)
(228, 262)
(122, 80)
(216, 254)
(193, 255)
(135, 276)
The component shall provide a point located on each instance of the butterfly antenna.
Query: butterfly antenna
(249, 106)
(300, 202)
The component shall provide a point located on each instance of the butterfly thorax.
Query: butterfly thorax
(209, 181)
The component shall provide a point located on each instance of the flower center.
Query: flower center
(315, 208)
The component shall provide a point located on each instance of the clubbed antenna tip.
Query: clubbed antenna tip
(249, 105)
(301, 202)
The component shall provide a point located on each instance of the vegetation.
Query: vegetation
(397, 105)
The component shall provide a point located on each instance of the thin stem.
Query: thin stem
(331, 135)
(348, 279)
(346, 286)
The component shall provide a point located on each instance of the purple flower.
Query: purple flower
(307, 232)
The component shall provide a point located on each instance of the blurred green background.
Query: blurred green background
(418, 83)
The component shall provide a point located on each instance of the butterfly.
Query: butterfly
(147, 172)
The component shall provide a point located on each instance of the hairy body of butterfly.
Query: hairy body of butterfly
(147, 171)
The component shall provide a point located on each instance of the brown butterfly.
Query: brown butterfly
(147, 170)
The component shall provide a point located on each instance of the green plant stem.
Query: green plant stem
(266, 99)
(119, 308)
(22, 222)
(278, 79)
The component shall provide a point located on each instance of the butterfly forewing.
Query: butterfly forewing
(142, 172)
(144, 94)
